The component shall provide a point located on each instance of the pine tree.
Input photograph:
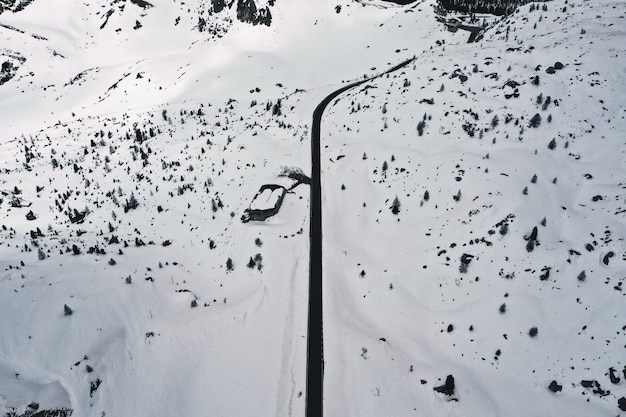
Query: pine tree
(395, 207)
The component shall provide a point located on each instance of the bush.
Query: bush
(533, 332)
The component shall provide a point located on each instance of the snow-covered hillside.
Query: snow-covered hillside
(474, 209)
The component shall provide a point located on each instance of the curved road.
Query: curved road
(315, 339)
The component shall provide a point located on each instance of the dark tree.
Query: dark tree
(395, 207)
(535, 121)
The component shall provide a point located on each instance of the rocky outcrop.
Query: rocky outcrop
(13, 5)
(218, 5)
(248, 12)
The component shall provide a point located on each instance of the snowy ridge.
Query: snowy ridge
(474, 210)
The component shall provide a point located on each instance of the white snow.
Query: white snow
(185, 123)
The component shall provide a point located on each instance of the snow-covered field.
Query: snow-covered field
(474, 209)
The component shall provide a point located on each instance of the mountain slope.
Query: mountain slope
(455, 219)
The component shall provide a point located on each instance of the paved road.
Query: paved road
(315, 340)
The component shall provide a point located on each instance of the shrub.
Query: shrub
(533, 332)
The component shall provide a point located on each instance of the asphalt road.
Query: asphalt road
(315, 339)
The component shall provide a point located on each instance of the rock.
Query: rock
(466, 258)
(447, 388)
(550, 70)
(587, 383)
(612, 375)
(621, 403)
(555, 387)
(247, 12)
(558, 65)
(607, 257)
(218, 5)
